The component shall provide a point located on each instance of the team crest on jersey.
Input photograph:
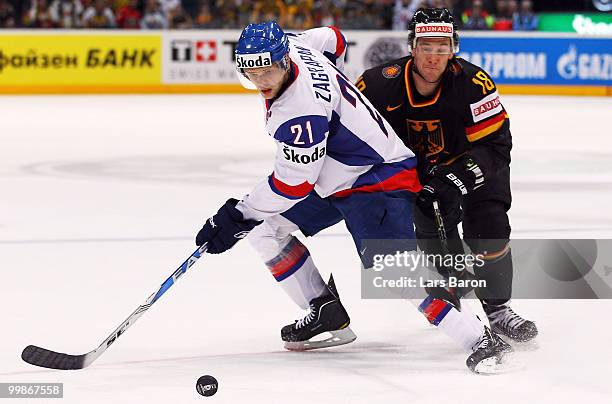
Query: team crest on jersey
(426, 137)
(391, 72)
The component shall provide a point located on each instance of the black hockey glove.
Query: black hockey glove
(436, 190)
(225, 228)
(447, 183)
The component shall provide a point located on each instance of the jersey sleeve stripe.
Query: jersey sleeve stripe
(406, 180)
(482, 125)
(340, 41)
(289, 191)
(382, 172)
(485, 128)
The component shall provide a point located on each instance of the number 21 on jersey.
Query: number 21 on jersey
(297, 131)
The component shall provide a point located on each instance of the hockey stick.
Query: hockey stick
(451, 295)
(55, 360)
(440, 227)
(441, 292)
(454, 295)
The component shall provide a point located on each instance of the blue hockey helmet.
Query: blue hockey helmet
(261, 45)
(266, 40)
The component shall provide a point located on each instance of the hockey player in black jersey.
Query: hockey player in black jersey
(275, 211)
(448, 111)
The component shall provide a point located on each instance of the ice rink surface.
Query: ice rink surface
(101, 197)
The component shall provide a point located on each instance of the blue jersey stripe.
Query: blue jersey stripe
(346, 147)
(384, 171)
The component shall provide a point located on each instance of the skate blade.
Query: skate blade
(330, 338)
(508, 363)
(530, 345)
(486, 366)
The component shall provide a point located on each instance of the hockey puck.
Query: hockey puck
(207, 385)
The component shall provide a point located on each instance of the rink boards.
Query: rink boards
(201, 61)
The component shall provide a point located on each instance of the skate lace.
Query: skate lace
(484, 341)
(506, 318)
(306, 320)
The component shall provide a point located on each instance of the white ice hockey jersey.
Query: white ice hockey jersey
(329, 137)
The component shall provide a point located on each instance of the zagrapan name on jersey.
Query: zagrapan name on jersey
(254, 60)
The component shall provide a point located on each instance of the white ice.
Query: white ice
(101, 197)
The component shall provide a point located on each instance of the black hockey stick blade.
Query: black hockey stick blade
(50, 359)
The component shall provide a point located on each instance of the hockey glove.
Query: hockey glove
(436, 190)
(449, 182)
(465, 175)
(225, 228)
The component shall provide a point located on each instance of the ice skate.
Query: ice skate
(491, 354)
(326, 325)
(506, 322)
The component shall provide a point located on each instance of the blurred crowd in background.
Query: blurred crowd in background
(291, 14)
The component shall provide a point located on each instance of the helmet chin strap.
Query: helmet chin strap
(417, 72)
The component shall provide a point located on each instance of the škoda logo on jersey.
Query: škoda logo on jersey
(254, 60)
(300, 158)
(426, 137)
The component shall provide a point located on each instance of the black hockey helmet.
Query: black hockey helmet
(433, 22)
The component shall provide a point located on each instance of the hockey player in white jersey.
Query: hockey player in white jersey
(337, 159)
